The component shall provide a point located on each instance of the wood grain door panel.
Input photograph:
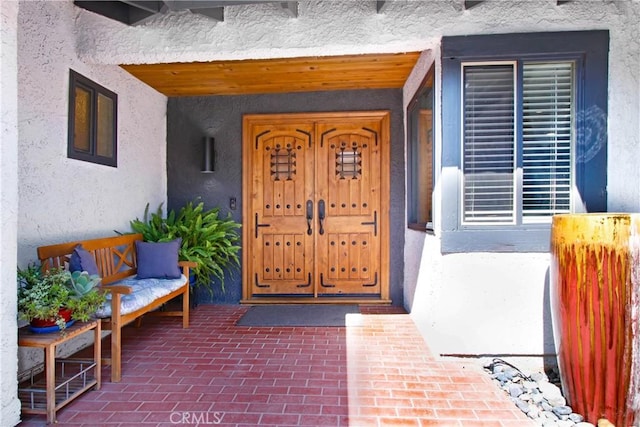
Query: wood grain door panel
(315, 205)
(348, 181)
(282, 183)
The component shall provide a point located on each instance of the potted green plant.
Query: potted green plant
(57, 297)
(208, 239)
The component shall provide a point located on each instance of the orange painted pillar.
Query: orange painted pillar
(595, 303)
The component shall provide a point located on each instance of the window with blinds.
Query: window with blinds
(547, 133)
(488, 143)
(497, 140)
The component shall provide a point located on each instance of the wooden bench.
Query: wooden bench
(116, 260)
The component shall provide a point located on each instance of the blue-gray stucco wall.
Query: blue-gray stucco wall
(190, 119)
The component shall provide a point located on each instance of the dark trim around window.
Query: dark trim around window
(590, 50)
(93, 122)
(421, 176)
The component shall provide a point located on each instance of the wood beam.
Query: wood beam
(148, 6)
(216, 13)
(291, 7)
(468, 4)
(111, 9)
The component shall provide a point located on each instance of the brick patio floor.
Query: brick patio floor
(375, 372)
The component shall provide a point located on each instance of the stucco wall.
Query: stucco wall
(190, 119)
(347, 27)
(9, 403)
(350, 27)
(49, 180)
(61, 199)
(498, 303)
(481, 304)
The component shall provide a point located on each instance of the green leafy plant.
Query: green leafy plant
(42, 295)
(207, 239)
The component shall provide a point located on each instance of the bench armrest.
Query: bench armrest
(186, 265)
(117, 289)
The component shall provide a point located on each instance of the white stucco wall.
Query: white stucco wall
(350, 27)
(482, 304)
(438, 289)
(9, 403)
(454, 300)
(497, 303)
(63, 199)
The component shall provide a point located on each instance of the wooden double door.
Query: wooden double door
(315, 207)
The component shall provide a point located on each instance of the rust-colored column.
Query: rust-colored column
(595, 286)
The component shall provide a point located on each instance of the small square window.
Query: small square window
(93, 117)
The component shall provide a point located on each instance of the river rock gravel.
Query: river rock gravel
(537, 395)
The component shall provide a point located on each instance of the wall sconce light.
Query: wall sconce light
(209, 160)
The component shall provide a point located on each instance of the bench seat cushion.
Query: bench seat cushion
(145, 291)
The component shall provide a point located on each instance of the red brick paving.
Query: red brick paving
(395, 381)
(215, 373)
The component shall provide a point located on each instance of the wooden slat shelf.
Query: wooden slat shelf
(46, 388)
(73, 377)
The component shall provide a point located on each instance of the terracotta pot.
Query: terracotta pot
(65, 313)
(595, 297)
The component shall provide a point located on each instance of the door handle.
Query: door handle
(321, 216)
(309, 216)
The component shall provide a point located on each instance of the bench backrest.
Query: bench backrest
(115, 256)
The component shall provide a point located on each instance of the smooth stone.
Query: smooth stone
(533, 412)
(576, 418)
(511, 373)
(549, 390)
(523, 406)
(500, 376)
(537, 398)
(557, 401)
(538, 376)
(515, 390)
(562, 410)
(550, 415)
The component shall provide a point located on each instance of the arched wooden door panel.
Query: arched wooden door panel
(315, 207)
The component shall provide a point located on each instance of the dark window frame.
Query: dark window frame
(77, 80)
(590, 48)
(427, 86)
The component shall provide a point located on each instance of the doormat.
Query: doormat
(297, 315)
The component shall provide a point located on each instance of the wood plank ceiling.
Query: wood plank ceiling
(374, 71)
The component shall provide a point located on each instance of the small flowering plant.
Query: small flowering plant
(46, 295)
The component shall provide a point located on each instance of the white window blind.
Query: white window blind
(488, 143)
(547, 133)
(492, 191)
